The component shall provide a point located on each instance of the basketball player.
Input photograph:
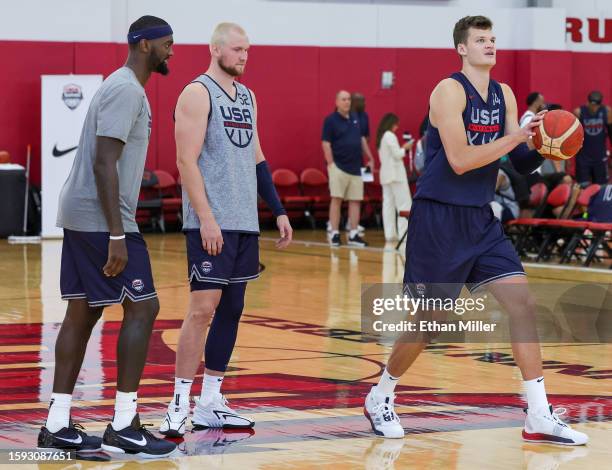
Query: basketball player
(223, 169)
(592, 160)
(104, 257)
(535, 103)
(453, 236)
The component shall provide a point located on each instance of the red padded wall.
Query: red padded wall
(295, 89)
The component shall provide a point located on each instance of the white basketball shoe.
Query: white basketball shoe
(380, 411)
(217, 414)
(544, 425)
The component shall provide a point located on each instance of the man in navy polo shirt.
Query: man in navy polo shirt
(343, 147)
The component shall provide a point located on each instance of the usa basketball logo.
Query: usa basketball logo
(72, 95)
(421, 289)
(238, 122)
(206, 267)
(594, 126)
(137, 285)
(484, 126)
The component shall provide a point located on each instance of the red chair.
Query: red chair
(527, 232)
(584, 239)
(288, 187)
(601, 240)
(316, 186)
(537, 198)
(586, 194)
(171, 200)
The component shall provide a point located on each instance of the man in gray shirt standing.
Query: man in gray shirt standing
(104, 257)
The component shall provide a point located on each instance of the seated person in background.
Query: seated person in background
(600, 206)
(421, 146)
(551, 173)
(505, 206)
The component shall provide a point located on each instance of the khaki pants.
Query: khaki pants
(396, 197)
(344, 185)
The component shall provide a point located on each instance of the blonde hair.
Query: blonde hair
(220, 33)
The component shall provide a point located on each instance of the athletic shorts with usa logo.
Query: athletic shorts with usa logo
(84, 254)
(450, 246)
(237, 262)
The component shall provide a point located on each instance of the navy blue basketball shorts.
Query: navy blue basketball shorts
(237, 262)
(84, 254)
(592, 171)
(451, 246)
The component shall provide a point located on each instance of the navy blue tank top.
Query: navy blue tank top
(600, 207)
(484, 123)
(595, 133)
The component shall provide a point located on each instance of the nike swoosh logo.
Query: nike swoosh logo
(74, 441)
(539, 380)
(186, 381)
(142, 442)
(60, 153)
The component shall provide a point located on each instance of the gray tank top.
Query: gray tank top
(227, 161)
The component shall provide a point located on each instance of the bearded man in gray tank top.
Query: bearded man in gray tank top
(223, 169)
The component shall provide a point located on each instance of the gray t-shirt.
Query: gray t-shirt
(120, 110)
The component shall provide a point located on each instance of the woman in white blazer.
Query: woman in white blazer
(396, 193)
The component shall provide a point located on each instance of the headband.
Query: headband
(149, 33)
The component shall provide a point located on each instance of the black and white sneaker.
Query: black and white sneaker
(334, 239)
(136, 440)
(356, 240)
(71, 438)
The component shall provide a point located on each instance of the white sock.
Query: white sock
(125, 409)
(182, 388)
(387, 383)
(536, 394)
(210, 385)
(335, 232)
(352, 233)
(59, 411)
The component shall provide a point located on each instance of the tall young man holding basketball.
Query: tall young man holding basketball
(453, 237)
(223, 169)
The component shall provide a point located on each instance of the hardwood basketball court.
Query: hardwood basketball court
(301, 369)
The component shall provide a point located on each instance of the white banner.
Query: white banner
(65, 101)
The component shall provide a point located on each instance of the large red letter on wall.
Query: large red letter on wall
(573, 26)
(594, 31)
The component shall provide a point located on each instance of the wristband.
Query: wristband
(117, 237)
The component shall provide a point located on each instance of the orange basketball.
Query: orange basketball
(559, 136)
